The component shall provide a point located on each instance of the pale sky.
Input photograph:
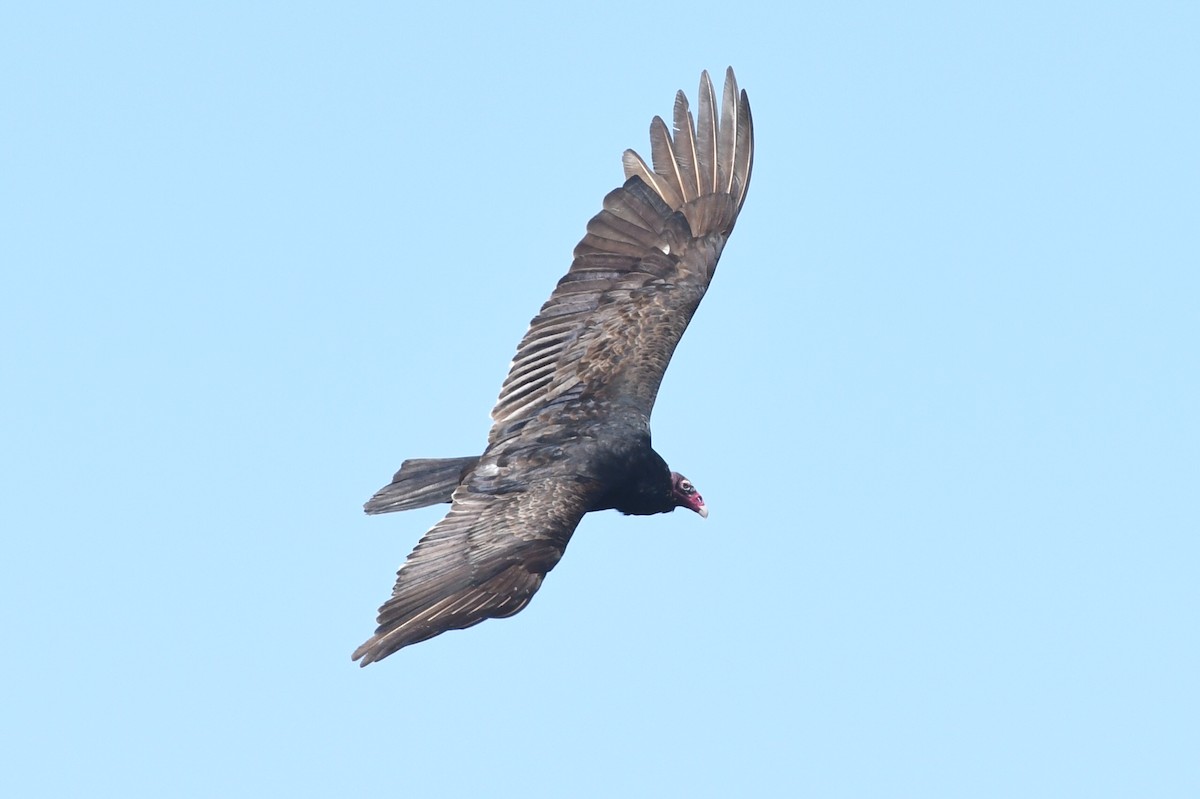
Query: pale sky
(940, 399)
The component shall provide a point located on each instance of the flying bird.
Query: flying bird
(571, 430)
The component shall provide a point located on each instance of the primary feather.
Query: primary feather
(571, 428)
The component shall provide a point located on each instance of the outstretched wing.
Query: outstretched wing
(606, 334)
(485, 560)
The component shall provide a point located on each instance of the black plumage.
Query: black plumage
(571, 429)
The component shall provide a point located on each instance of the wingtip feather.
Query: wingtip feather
(711, 153)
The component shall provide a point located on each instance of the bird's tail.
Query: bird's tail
(421, 482)
(707, 162)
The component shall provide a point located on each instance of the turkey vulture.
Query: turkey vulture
(571, 430)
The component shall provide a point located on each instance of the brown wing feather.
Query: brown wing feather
(706, 136)
(485, 560)
(609, 329)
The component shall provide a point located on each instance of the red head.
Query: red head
(686, 495)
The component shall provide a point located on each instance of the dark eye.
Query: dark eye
(686, 487)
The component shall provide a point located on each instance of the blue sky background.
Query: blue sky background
(942, 401)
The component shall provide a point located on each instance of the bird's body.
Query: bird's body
(571, 429)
